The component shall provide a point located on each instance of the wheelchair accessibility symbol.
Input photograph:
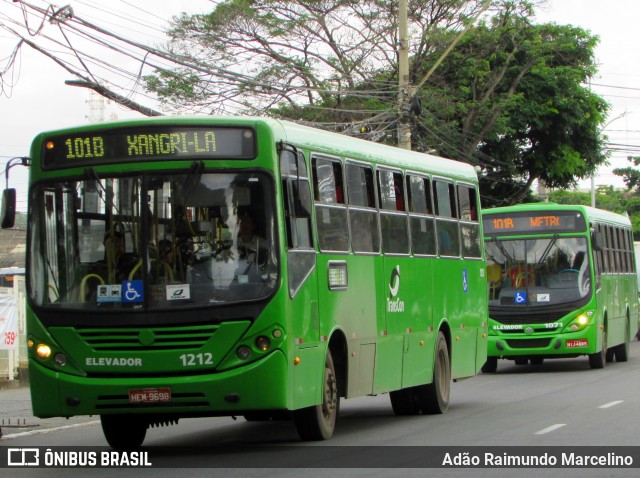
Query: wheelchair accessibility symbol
(132, 291)
(521, 297)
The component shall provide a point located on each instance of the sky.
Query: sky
(34, 97)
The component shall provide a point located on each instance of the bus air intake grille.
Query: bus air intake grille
(158, 338)
(527, 343)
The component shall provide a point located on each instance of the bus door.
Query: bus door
(406, 288)
(301, 282)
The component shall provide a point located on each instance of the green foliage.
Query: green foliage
(607, 198)
(521, 112)
(630, 175)
(509, 97)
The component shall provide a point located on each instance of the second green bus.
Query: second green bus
(562, 283)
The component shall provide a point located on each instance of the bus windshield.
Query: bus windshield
(538, 272)
(153, 241)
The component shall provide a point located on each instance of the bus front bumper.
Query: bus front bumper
(256, 386)
(547, 345)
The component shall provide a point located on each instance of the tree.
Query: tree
(608, 198)
(510, 97)
(631, 176)
(312, 54)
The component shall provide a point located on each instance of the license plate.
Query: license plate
(150, 395)
(577, 343)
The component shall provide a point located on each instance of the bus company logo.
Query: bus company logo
(394, 304)
(23, 457)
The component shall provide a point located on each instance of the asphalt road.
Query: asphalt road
(562, 405)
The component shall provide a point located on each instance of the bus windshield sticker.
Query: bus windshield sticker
(132, 291)
(178, 292)
(109, 293)
(520, 297)
(544, 298)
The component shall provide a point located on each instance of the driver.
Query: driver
(249, 242)
(118, 262)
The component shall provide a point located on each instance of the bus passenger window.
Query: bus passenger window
(446, 224)
(393, 219)
(331, 214)
(363, 216)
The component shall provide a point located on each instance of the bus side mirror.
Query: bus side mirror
(596, 242)
(8, 217)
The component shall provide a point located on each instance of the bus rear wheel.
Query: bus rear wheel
(405, 401)
(319, 421)
(433, 398)
(621, 351)
(124, 432)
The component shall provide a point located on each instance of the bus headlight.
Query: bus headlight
(579, 323)
(43, 351)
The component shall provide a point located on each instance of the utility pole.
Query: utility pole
(404, 93)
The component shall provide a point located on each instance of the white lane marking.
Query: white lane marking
(47, 430)
(611, 404)
(551, 428)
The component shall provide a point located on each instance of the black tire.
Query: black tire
(521, 361)
(405, 402)
(434, 397)
(598, 359)
(124, 432)
(319, 421)
(491, 365)
(609, 356)
(537, 360)
(622, 351)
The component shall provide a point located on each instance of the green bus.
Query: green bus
(192, 267)
(562, 283)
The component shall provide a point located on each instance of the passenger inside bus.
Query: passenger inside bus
(117, 264)
(162, 267)
(251, 246)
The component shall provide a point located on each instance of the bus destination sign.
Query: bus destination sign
(533, 222)
(148, 143)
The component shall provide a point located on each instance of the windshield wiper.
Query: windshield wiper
(546, 251)
(503, 250)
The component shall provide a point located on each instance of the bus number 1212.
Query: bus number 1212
(190, 360)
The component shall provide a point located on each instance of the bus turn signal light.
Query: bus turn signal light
(263, 343)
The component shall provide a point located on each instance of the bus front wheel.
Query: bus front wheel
(318, 421)
(491, 365)
(124, 432)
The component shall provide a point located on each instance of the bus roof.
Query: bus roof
(317, 140)
(356, 148)
(591, 213)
